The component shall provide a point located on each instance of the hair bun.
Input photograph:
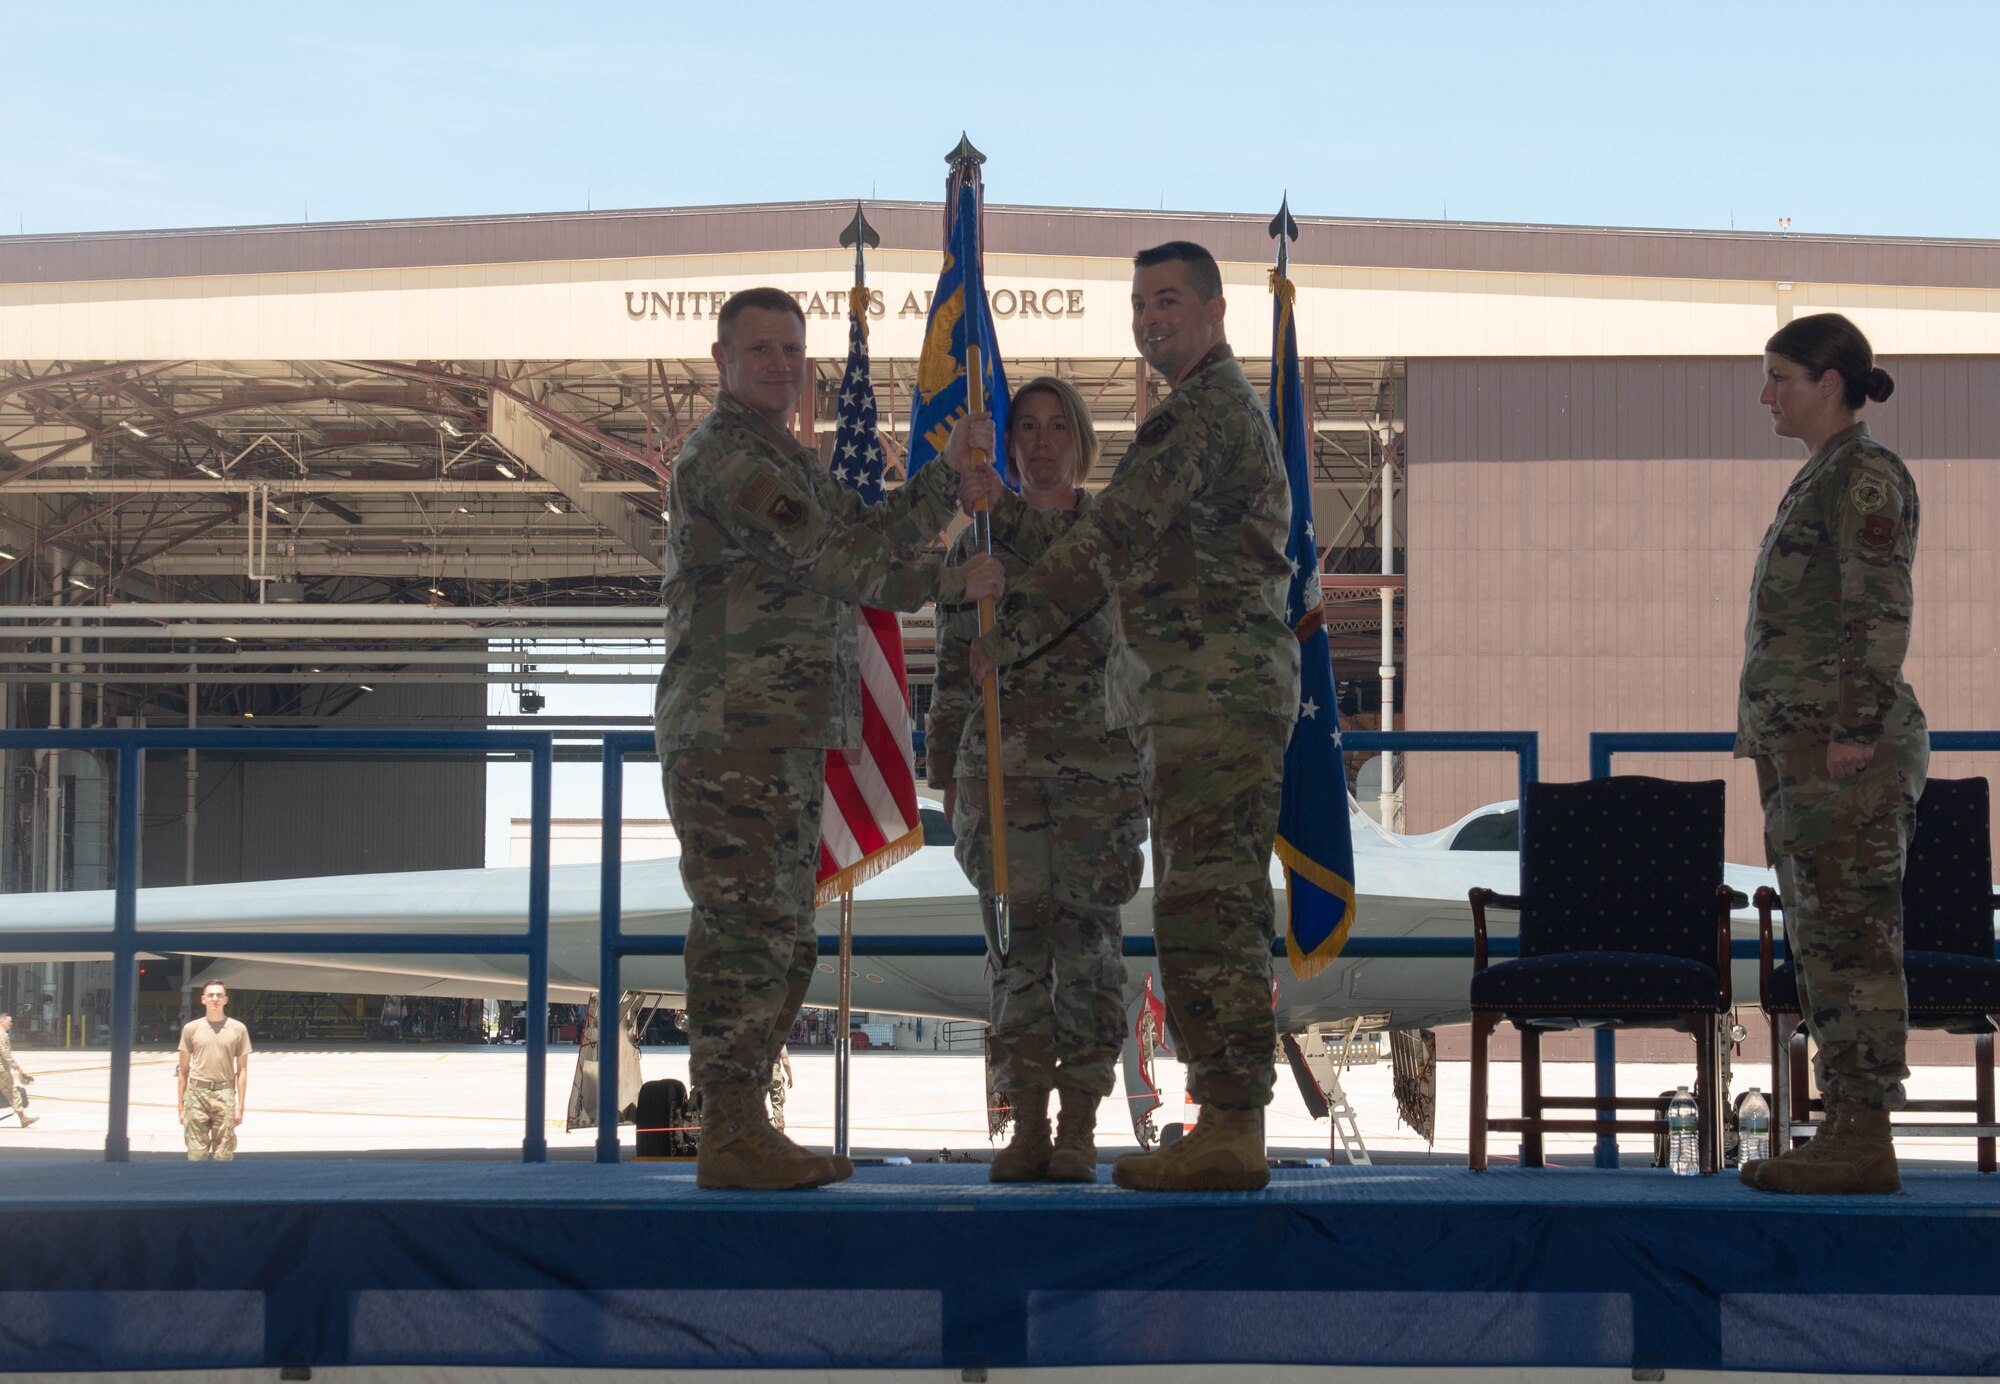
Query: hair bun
(1880, 386)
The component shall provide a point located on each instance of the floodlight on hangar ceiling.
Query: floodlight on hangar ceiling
(134, 429)
(532, 702)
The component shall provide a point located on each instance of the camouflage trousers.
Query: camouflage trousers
(748, 822)
(208, 1123)
(10, 1090)
(1058, 997)
(1213, 789)
(1839, 848)
(777, 1093)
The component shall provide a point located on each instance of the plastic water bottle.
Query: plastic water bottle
(1683, 1122)
(1753, 1127)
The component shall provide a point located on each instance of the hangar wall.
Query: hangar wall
(1581, 537)
(287, 819)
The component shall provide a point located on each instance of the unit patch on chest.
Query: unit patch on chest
(786, 513)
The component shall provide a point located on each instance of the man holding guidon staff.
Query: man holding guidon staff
(767, 557)
(1190, 535)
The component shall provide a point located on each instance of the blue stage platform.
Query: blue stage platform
(580, 1265)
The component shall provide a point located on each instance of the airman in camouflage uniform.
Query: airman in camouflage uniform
(1190, 534)
(12, 1078)
(1842, 751)
(1074, 817)
(767, 558)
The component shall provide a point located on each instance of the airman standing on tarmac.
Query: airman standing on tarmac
(1190, 534)
(213, 1076)
(12, 1078)
(768, 556)
(1841, 746)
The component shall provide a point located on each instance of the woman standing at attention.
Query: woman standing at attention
(1075, 817)
(1841, 745)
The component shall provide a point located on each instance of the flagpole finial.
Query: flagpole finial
(859, 234)
(964, 158)
(1284, 229)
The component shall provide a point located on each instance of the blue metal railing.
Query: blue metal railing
(614, 944)
(126, 940)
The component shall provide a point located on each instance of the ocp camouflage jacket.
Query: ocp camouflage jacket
(768, 556)
(1052, 720)
(1191, 532)
(1830, 606)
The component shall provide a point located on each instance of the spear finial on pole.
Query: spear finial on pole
(965, 159)
(859, 234)
(1284, 229)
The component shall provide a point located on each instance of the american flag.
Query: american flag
(870, 819)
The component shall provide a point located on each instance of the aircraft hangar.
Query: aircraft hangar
(355, 474)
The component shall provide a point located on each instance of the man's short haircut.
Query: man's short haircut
(1203, 272)
(215, 985)
(769, 299)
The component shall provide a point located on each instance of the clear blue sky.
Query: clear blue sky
(1847, 118)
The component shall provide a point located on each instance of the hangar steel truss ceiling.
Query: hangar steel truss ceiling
(389, 481)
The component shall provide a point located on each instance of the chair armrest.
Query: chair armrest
(1725, 901)
(1481, 900)
(1768, 902)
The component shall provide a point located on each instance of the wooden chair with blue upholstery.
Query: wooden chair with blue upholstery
(1624, 923)
(1948, 966)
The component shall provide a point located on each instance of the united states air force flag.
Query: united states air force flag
(959, 318)
(1313, 838)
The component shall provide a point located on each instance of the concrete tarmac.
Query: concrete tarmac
(423, 1101)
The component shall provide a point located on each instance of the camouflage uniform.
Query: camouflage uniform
(208, 1106)
(1074, 823)
(777, 1088)
(767, 558)
(1830, 609)
(11, 1078)
(1205, 674)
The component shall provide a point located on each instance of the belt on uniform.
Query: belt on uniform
(213, 1085)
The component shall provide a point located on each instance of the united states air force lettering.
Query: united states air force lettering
(644, 305)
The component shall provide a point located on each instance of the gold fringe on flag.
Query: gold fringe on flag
(869, 866)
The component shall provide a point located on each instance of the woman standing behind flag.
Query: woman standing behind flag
(1075, 817)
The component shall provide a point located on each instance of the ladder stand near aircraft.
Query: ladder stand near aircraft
(1341, 1046)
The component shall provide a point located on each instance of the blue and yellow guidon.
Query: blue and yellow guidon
(1314, 842)
(959, 318)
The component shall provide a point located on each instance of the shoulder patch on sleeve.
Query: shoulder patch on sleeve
(1158, 428)
(1878, 532)
(1867, 494)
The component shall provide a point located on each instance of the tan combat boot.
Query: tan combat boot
(1854, 1153)
(1811, 1151)
(1026, 1157)
(843, 1166)
(1224, 1153)
(740, 1150)
(1075, 1155)
(27, 1120)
